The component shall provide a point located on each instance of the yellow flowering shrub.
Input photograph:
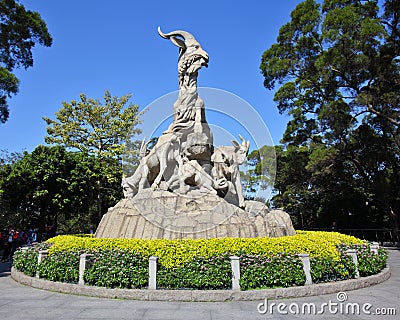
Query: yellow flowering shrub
(173, 253)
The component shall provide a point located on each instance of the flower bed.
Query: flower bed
(201, 264)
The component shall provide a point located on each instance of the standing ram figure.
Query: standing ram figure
(188, 134)
(189, 107)
(226, 167)
(184, 153)
(189, 113)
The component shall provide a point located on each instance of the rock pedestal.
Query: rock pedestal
(166, 215)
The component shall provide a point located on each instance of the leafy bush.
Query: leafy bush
(200, 273)
(202, 264)
(369, 263)
(324, 270)
(117, 269)
(259, 272)
(27, 261)
(174, 253)
(61, 266)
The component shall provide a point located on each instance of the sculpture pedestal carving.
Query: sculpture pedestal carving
(166, 215)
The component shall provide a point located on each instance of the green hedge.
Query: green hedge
(200, 273)
(117, 269)
(368, 262)
(260, 272)
(325, 270)
(27, 261)
(124, 269)
(61, 266)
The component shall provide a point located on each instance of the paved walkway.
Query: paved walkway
(22, 302)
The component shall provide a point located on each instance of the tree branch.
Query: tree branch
(380, 114)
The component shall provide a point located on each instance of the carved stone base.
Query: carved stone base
(166, 215)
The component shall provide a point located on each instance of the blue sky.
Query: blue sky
(114, 45)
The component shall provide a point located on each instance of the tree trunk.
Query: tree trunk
(99, 200)
(395, 227)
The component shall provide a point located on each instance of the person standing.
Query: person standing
(8, 241)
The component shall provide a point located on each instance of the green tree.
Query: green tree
(260, 172)
(20, 31)
(291, 184)
(319, 184)
(99, 129)
(338, 64)
(337, 69)
(49, 186)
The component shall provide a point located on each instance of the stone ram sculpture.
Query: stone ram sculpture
(226, 161)
(184, 157)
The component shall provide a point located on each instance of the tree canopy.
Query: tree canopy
(53, 186)
(338, 64)
(336, 71)
(91, 126)
(20, 31)
(98, 129)
(259, 176)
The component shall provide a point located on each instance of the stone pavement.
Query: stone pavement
(22, 302)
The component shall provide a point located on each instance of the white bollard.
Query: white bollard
(353, 254)
(153, 273)
(42, 254)
(374, 248)
(84, 263)
(305, 259)
(235, 272)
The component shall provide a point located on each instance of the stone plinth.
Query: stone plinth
(166, 215)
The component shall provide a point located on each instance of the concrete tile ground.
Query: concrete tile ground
(22, 302)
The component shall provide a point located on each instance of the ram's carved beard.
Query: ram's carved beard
(194, 63)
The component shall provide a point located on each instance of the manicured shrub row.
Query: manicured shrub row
(368, 262)
(28, 261)
(174, 253)
(61, 266)
(328, 269)
(117, 269)
(259, 272)
(201, 273)
(124, 268)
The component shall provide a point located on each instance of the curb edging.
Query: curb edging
(202, 295)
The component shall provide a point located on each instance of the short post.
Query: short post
(235, 272)
(153, 273)
(376, 244)
(353, 254)
(42, 254)
(84, 263)
(305, 259)
(374, 247)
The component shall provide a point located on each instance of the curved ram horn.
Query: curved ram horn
(243, 141)
(185, 35)
(245, 144)
(143, 148)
